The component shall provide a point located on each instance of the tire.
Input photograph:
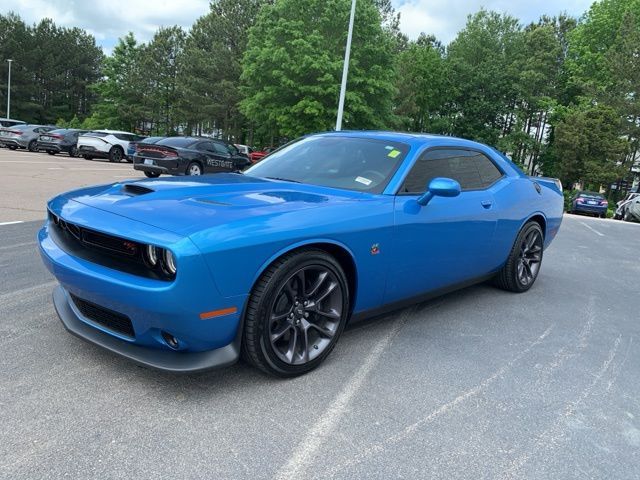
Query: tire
(627, 217)
(194, 169)
(32, 146)
(87, 157)
(12, 147)
(151, 174)
(286, 339)
(517, 275)
(116, 154)
(51, 152)
(73, 151)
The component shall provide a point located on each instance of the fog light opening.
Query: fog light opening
(170, 340)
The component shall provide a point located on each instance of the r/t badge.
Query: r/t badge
(375, 249)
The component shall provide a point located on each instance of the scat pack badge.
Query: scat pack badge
(375, 249)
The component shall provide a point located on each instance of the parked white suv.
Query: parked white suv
(110, 144)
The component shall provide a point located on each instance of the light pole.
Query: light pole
(345, 68)
(9, 91)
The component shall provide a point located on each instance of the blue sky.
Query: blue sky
(110, 19)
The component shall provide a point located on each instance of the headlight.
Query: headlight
(169, 262)
(151, 255)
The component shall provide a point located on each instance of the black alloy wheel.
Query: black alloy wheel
(523, 265)
(305, 315)
(116, 154)
(296, 313)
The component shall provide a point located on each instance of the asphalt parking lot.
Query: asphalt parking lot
(477, 384)
(28, 180)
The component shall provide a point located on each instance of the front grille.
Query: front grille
(103, 316)
(97, 247)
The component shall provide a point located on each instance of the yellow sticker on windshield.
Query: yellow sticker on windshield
(393, 153)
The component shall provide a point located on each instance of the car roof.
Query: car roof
(413, 139)
(111, 131)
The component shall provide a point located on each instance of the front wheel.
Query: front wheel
(73, 151)
(525, 259)
(296, 313)
(32, 146)
(51, 152)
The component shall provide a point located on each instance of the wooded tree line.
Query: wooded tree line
(560, 96)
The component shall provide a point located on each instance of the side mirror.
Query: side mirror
(439, 187)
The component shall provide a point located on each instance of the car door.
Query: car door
(217, 157)
(448, 241)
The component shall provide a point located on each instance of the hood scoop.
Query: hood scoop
(135, 190)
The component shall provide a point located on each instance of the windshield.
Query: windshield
(352, 163)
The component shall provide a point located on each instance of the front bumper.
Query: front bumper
(166, 360)
(152, 306)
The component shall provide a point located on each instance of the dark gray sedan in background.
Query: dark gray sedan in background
(60, 140)
(23, 136)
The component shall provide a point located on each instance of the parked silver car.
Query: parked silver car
(22, 136)
(622, 205)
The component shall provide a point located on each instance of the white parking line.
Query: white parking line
(593, 229)
(11, 223)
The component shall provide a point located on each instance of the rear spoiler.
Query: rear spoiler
(553, 183)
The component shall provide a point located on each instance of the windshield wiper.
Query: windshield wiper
(283, 179)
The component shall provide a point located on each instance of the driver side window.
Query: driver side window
(472, 170)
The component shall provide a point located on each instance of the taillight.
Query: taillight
(604, 202)
(579, 200)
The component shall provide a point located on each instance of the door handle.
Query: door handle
(486, 204)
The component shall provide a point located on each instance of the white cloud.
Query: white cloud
(444, 18)
(108, 20)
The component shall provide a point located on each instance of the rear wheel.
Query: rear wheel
(12, 147)
(51, 152)
(523, 265)
(32, 146)
(87, 157)
(194, 168)
(152, 174)
(116, 154)
(73, 151)
(296, 313)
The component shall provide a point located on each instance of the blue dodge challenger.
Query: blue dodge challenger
(187, 274)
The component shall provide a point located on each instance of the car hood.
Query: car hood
(185, 205)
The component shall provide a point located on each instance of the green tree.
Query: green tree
(159, 62)
(484, 76)
(422, 87)
(210, 68)
(120, 90)
(587, 146)
(293, 64)
(52, 70)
